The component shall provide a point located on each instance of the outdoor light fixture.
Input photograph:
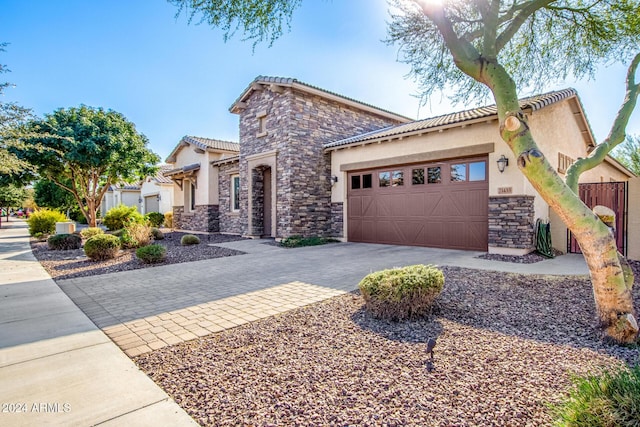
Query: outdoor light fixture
(334, 179)
(159, 198)
(139, 199)
(503, 162)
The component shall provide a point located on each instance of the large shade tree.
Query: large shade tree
(85, 150)
(478, 48)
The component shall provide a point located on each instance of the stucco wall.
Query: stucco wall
(206, 193)
(165, 191)
(633, 234)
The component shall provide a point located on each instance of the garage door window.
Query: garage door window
(384, 179)
(397, 178)
(473, 171)
(434, 175)
(459, 172)
(355, 182)
(361, 181)
(477, 171)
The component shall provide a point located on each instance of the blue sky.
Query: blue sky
(173, 79)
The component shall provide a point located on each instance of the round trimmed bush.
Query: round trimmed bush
(189, 239)
(118, 217)
(157, 234)
(64, 242)
(151, 254)
(44, 221)
(102, 246)
(90, 232)
(402, 293)
(155, 219)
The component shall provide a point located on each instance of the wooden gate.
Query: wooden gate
(612, 195)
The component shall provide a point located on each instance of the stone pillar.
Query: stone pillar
(511, 225)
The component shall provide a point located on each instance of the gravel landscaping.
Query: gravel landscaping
(507, 346)
(74, 263)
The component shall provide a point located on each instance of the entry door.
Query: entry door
(266, 221)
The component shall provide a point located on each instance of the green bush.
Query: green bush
(155, 219)
(44, 221)
(117, 233)
(402, 293)
(117, 217)
(609, 399)
(64, 242)
(151, 254)
(299, 241)
(135, 235)
(189, 239)
(90, 232)
(102, 246)
(156, 234)
(168, 219)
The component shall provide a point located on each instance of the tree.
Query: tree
(628, 153)
(477, 47)
(48, 194)
(11, 196)
(84, 150)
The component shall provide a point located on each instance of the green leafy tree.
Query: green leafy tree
(11, 196)
(48, 194)
(475, 48)
(84, 150)
(628, 153)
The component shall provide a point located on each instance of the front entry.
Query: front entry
(266, 210)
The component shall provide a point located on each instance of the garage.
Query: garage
(440, 204)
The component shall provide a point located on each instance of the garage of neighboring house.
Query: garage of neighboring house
(440, 204)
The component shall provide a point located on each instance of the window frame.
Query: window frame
(235, 193)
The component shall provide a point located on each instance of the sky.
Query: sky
(174, 78)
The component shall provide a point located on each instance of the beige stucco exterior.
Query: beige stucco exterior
(633, 230)
(163, 191)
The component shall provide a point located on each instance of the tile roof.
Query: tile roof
(295, 83)
(531, 103)
(216, 144)
(225, 160)
(159, 176)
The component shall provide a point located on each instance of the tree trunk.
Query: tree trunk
(91, 212)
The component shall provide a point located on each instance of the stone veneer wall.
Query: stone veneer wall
(229, 221)
(511, 222)
(205, 218)
(337, 219)
(297, 125)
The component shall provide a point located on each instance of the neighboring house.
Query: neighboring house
(157, 192)
(121, 194)
(313, 162)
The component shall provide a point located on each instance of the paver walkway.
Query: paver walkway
(56, 367)
(143, 310)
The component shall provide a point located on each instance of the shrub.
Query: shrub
(402, 293)
(135, 235)
(102, 246)
(155, 219)
(168, 219)
(90, 232)
(117, 217)
(609, 399)
(44, 221)
(64, 242)
(299, 241)
(151, 254)
(189, 239)
(156, 234)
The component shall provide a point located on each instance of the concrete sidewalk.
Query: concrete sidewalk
(56, 366)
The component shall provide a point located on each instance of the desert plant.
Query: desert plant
(609, 399)
(156, 234)
(168, 219)
(64, 242)
(402, 293)
(102, 246)
(151, 254)
(155, 219)
(44, 221)
(117, 217)
(189, 239)
(90, 232)
(135, 235)
(300, 241)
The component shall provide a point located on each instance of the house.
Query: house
(156, 192)
(121, 194)
(313, 162)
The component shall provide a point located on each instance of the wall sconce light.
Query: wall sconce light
(139, 199)
(503, 162)
(159, 198)
(334, 179)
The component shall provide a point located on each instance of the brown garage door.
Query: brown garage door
(442, 205)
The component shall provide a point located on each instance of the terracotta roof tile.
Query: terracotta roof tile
(216, 144)
(533, 103)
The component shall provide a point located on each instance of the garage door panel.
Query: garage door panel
(444, 214)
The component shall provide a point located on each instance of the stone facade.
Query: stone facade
(296, 125)
(511, 222)
(204, 218)
(229, 220)
(337, 219)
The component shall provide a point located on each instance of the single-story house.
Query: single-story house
(156, 192)
(121, 194)
(314, 162)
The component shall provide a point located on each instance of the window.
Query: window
(384, 179)
(397, 178)
(262, 123)
(355, 182)
(417, 176)
(190, 196)
(434, 175)
(477, 171)
(235, 193)
(367, 181)
(459, 172)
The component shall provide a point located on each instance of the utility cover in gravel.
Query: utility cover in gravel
(506, 347)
